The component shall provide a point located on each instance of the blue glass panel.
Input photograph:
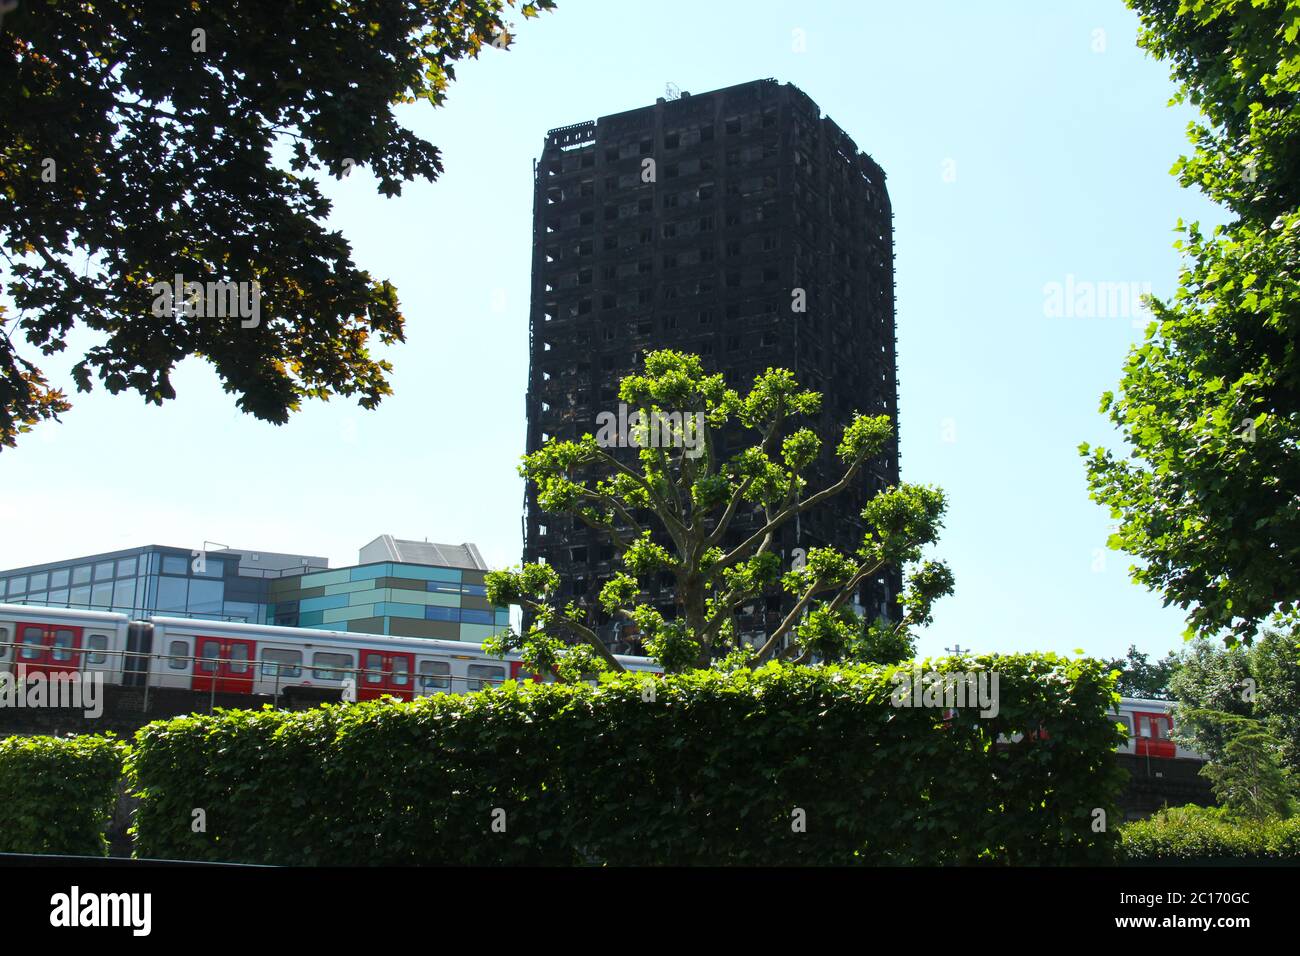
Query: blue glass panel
(206, 597)
(434, 613)
(101, 595)
(471, 616)
(171, 593)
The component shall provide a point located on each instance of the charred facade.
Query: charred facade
(762, 238)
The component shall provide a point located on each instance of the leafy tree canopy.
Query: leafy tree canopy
(670, 514)
(1209, 498)
(1140, 678)
(1261, 683)
(1247, 775)
(137, 143)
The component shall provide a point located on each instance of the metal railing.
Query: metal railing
(417, 683)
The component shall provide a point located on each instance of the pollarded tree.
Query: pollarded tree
(138, 141)
(683, 489)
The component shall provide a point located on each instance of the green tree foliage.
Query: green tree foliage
(140, 141)
(1140, 678)
(1210, 401)
(772, 766)
(693, 496)
(1247, 774)
(1207, 835)
(1262, 682)
(57, 794)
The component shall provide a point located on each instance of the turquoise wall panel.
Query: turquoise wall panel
(347, 587)
(323, 603)
(323, 578)
(370, 571)
(350, 613)
(476, 633)
(367, 596)
(392, 609)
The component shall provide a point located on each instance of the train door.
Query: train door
(517, 672)
(47, 648)
(1153, 735)
(385, 672)
(224, 665)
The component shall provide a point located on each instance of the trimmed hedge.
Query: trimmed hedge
(57, 794)
(714, 770)
(1207, 834)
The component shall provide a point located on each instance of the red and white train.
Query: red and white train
(211, 656)
(226, 658)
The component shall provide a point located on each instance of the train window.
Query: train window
(278, 662)
(238, 658)
(98, 644)
(435, 675)
(31, 639)
(485, 674)
(326, 666)
(4, 643)
(208, 650)
(1158, 728)
(401, 671)
(1127, 721)
(178, 651)
(374, 666)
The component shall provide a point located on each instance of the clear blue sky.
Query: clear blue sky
(1061, 156)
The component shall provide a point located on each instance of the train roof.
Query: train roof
(307, 635)
(63, 613)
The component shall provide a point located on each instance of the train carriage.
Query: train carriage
(219, 657)
(50, 641)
